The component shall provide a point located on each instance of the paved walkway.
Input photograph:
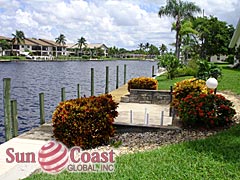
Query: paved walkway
(33, 140)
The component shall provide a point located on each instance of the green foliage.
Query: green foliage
(185, 71)
(85, 122)
(213, 36)
(171, 63)
(205, 110)
(230, 59)
(207, 70)
(143, 83)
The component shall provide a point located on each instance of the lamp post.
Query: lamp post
(212, 83)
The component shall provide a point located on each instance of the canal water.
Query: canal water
(28, 79)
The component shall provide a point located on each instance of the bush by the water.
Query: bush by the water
(143, 83)
(205, 110)
(86, 122)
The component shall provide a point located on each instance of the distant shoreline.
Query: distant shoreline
(65, 60)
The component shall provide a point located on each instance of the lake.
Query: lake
(28, 79)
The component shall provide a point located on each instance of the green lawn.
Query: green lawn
(216, 157)
(164, 83)
(230, 80)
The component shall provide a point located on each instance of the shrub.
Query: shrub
(85, 122)
(230, 59)
(143, 83)
(185, 71)
(188, 86)
(207, 70)
(171, 63)
(205, 110)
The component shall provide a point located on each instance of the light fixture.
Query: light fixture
(212, 83)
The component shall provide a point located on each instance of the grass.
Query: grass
(216, 157)
(230, 80)
(164, 83)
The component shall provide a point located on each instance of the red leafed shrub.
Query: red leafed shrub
(143, 83)
(86, 122)
(205, 110)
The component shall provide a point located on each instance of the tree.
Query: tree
(186, 34)
(113, 51)
(179, 10)
(18, 38)
(141, 48)
(146, 47)
(213, 36)
(4, 44)
(81, 43)
(61, 39)
(153, 50)
(163, 49)
(170, 62)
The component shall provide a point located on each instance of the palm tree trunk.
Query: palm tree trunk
(177, 46)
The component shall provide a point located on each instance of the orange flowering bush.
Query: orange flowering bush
(86, 122)
(205, 110)
(186, 87)
(143, 83)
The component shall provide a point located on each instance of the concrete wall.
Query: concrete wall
(149, 96)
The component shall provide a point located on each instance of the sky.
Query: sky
(120, 23)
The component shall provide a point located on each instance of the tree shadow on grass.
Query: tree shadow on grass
(224, 146)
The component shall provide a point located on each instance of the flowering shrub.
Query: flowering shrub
(143, 83)
(186, 87)
(85, 122)
(205, 110)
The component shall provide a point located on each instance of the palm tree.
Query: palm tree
(61, 39)
(18, 38)
(146, 47)
(179, 10)
(185, 34)
(163, 49)
(81, 43)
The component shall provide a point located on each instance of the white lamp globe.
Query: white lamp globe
(212, 83)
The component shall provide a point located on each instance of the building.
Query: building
(235, 41)
(38, 48)
(88, 49)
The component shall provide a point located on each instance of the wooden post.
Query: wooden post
(14, 118)
(78, 91)
(63, 94)
(7, 108)
(170, 109)
(42, 113)
(92, 81)
(125, 74)
(153, 71)
(117, 78)
(107, 80)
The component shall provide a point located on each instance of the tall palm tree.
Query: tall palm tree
(185, 33)
(61, 39)
(81, 43)
(179, 10)
(18, 38)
